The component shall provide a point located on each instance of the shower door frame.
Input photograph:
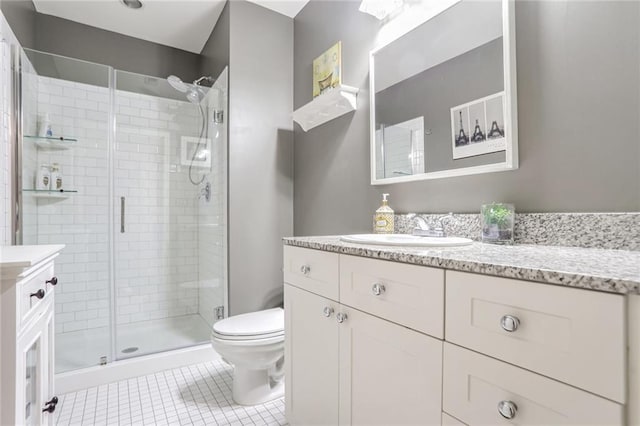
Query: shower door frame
(16, 135)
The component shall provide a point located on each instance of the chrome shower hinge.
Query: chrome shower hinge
(218, 312)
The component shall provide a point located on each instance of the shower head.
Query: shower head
(194, 95)
(177, 84)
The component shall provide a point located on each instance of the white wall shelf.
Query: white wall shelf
(326, 107)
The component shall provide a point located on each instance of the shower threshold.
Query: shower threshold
(84, 348)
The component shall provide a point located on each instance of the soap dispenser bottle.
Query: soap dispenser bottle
(383, 220)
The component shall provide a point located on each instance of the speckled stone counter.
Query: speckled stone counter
(614, 271)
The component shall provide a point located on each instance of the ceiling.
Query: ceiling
(183, 24)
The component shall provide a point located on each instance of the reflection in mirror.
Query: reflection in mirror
(401, 148)
(441, 96)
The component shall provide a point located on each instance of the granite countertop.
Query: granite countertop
(614, 271)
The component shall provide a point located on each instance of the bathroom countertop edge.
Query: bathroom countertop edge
(611, 271)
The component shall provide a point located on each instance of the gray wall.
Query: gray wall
(21, 16)
(578, 99)
(215, 53)
(332, 194)
(68, 38)
(260, 154)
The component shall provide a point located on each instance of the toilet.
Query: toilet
(254, 344)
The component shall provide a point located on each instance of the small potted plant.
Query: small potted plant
(497, 223)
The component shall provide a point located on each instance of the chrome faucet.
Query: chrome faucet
(424, 229)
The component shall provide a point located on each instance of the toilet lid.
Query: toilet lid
(270, 321)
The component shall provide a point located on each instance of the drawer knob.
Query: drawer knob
(507, 409)
(327, 311)
(305, 269)
(378, 289)
(509, 323)
(39, 294)
(340, 317)
(52, 281)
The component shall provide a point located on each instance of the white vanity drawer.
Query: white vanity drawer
(31, 285)
(312, 270)
(573, 335)
(476, 385)
(409, 295)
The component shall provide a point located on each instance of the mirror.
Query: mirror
(443, 98)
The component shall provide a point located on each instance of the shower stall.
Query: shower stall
(129, 172)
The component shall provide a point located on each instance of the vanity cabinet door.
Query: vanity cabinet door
(389, 374)
(311, 358)
(34, 372)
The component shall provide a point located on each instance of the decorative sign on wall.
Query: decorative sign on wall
(478, 127)
(327, 70)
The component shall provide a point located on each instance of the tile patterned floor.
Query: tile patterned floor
(198, 394)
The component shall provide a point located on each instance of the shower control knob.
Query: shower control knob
(340, 317)
(305, 269)
(52, 281)
(53, 401)
(39, 294)
(507, 409)
(509, 323)
(327, 311)
(378, 289)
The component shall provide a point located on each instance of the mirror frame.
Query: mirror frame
(510, 95)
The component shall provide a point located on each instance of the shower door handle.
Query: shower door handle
(122, 215)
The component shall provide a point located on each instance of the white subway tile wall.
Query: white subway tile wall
(156, 257)
(81, 221)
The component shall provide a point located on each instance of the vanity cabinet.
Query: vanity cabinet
(371, 341)
(27, 316)
(311, 358)
(345, 366)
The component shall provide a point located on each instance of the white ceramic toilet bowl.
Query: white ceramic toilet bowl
(254, 344)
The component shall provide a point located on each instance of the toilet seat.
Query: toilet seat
(261, 326)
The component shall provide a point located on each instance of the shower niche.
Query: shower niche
(145, 265)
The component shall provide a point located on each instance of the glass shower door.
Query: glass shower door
(64, 195)
(167, 191)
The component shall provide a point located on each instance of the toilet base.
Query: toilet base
(253, 387)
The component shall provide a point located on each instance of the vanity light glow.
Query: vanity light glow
(380, 8)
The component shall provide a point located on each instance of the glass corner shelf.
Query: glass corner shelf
(52, 142)
(52, 193)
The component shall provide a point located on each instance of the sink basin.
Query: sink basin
(404, 240)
